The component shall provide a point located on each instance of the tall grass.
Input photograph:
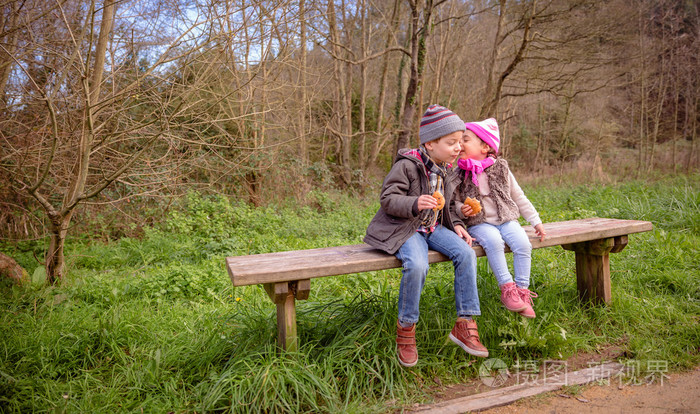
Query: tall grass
(154, 324)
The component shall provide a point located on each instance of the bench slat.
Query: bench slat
(339, 260)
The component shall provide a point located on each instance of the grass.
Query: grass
(154, 324)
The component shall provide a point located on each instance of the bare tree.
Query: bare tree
(420, 27)
(86, 113)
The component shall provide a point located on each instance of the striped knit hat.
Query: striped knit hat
(437, 122)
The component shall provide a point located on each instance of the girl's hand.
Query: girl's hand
(467, 210)
(461, 232)
(426, 202)
(539, 229)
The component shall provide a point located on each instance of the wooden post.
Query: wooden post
(287, 324)
(593, 267)
(283, 294)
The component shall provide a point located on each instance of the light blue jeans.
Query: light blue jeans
(414, 256)
(494, 238)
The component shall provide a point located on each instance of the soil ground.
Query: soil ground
(679, 393)
(665, 393)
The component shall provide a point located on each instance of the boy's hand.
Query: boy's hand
(539, 229)
(467, 210)
(426, 202)
(461, 232)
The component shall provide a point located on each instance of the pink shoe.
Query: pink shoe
(511, 299)
(526, 296)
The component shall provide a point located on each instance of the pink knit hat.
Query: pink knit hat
(487, 130)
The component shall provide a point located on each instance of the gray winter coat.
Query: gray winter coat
(395, 221)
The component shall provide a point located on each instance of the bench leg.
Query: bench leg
(593, 267)
(284, 294)
(287, 324)
(593, 277)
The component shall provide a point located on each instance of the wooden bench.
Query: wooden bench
(286, 276)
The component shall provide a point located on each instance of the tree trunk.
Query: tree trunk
(494, 87)
(303, 144)
(540, 138)
(674, 135)
(694, 136)
(398, 105)
(419, 35)
(7, 63)
(341, 99)
(347, 165)
(441, 59)
(493, 59)
(642, 95)
(663, 85)
(252, 186)
(55, 259)
(362, 150)
(380, 139)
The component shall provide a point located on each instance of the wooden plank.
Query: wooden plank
(339, 260)
(595, 247)
(620, 243)
(574, 231)
(277, 291)
(302, 290)
(251, 270)
(507, 395)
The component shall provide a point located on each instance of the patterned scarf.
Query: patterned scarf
(436, 173)
(475, 167)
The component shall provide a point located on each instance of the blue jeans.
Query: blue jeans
(414, 256)
(494, 238)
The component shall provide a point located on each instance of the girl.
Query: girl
(488, 180)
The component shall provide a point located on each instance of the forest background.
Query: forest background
(142, 142)
(111, 110)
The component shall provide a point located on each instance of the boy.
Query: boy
(411, 221)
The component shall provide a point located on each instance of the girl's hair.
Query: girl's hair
(492, 152)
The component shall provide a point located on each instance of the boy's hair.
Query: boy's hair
(438, 121)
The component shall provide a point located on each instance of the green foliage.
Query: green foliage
(181, 281)
(672, 203)
(153, 324)
(210, 217)
(541, 339)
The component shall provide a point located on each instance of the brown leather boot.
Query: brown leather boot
(466, 336)
(406, 345)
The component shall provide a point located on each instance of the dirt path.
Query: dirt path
(679, 393)
(666, 392)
